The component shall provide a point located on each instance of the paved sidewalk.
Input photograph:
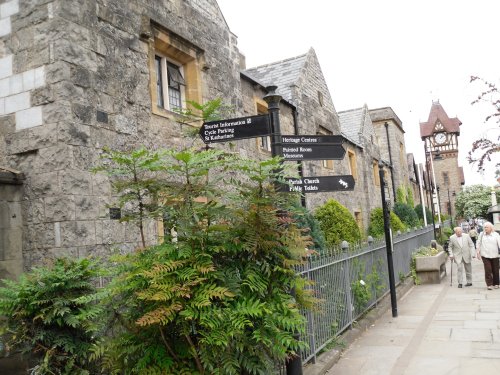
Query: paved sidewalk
(440, 330)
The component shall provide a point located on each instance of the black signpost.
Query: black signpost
(234, 129)
(307, 151)
(311, 139)
(319, 184)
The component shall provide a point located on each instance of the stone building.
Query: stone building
(440, 135)
(363, 156)
(78, 75)
(390, 137)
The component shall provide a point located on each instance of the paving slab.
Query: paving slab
(440, 329)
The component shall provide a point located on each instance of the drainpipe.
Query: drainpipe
(390, 160)
(295, 115)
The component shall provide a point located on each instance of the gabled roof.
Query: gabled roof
(356, 125)
(351, 124)
(438, 115)
(284, 74)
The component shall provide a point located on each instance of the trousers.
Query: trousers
(468, 272)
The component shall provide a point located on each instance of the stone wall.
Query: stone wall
(449, 165)
(75, 77)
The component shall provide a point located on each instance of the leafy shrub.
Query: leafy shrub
(401, 195)
(407, 214)
(305, 220)
(49, 313)
(409, 197)
(428, 213)
(376, 228)
(337, 223)
(217, 300)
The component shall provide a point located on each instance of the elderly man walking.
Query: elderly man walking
(462, 251)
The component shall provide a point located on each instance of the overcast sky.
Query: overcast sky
(386, 53)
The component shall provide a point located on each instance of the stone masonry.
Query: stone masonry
(79, 75)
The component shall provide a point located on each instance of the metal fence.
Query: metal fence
(351, 281)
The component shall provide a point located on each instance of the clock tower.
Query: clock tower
(440, 135)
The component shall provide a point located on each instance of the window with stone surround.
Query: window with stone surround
(328, 164)
(175, 72)
(352, 164)
(446, 178)
(264, 143)
(359, 219)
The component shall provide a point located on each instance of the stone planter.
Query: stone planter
(431, 269)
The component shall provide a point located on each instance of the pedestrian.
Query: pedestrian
(461, 250)
(488, 246)
(473, 234)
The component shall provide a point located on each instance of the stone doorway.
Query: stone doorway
(11, 224)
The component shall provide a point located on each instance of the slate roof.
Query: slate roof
(283, 74)
(437, 113)
(351, 124)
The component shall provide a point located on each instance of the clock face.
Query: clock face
(440, 138)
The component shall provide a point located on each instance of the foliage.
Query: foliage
(401, 195)
(361, 290)
(374, 279)
(484, 148)
(409, 197)
(407, 214)
(337, 223)
(428, 213)
(51, 314)
(195, 112)
(376, 228)
(132, 180)
(218, 299)
(473, 201)
(305, 220)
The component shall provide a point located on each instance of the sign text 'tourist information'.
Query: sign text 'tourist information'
(234, 129)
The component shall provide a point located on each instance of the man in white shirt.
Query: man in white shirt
(462, 251)
(488, 245)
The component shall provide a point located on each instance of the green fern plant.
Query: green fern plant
(217, 300)
(51, 314)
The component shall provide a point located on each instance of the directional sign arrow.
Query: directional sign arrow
(313, 152)
(311, 139)
(319, 184)
(234, 129)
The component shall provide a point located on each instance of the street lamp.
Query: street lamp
(449, 206)
(384, 190)
(439, 211)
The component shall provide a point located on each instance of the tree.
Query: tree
(473, 201)
(483, 148)
(133, 182)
